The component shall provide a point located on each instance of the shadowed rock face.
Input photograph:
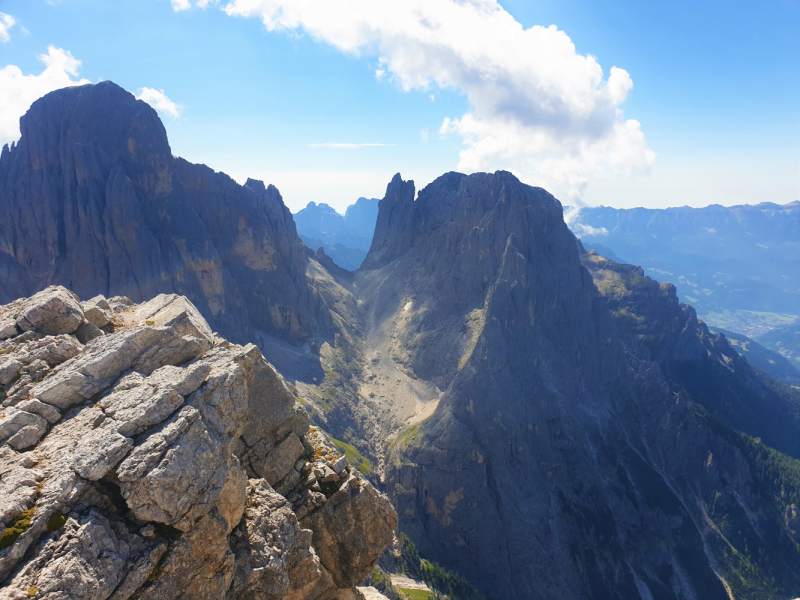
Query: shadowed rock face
(92, 198)
(573, 453)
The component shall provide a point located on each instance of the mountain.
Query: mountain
(91, 198)
(738, 266)
(780, 367)
(345, 238)
(548, 423)
(158, 460)
(553, 424)
(785, 341)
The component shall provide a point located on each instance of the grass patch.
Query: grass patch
(56, 521)
(16, 528)
(442, 581)
(408, 435)
(415, 594)
(354, 457)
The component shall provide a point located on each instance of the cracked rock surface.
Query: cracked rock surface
(142, 464)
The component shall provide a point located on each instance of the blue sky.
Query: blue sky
(715, 89)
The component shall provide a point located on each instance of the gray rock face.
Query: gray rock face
(133, 486)
(233, 250)
(581, 426)
(51, 311)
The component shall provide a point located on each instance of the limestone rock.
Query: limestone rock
(97, 311)
(51, 311)
(8, 329)
(280, 460)
(274, 558)
(87, 332)
(9, 368)
(133, 486)
(87, 559)
(40, 408)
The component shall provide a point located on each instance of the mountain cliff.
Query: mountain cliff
(92, 198)
(590, 438)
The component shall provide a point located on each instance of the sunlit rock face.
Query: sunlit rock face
(92, 198)
(158, 460)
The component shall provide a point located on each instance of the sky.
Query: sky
(619, 103)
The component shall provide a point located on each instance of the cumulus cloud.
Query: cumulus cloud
(18, 91)
(158, 100)
(178, 5)
(345, 145)
(572, 217)
(6, 23)
(539, 108)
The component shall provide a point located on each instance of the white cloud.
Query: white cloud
(379, 74)
(6, 23)
(346, 146)
(178, 5)
(538, 108)
(424, 134)
(18, 91)
(158, 100)
(572, 215)
(432, 98)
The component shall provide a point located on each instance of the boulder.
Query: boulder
(97, 311)
(52, 311)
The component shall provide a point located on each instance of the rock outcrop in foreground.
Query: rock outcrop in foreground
(143, 456)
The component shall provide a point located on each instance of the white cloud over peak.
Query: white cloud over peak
(6, 23)
(345, 145)
(539, 108)
(159, 100)
(18, 91)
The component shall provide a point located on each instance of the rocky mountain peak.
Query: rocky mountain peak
(92, 198)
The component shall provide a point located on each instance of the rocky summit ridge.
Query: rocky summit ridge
(144, 456)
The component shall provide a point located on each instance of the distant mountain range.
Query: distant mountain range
(345, 238)
(738, 266)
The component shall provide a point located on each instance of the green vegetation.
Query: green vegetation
(415, 594)
(16, 528)
(757, 565)
(56, 521)
(439, 579)
(406, 436)
(379, 579)
(354, 457)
